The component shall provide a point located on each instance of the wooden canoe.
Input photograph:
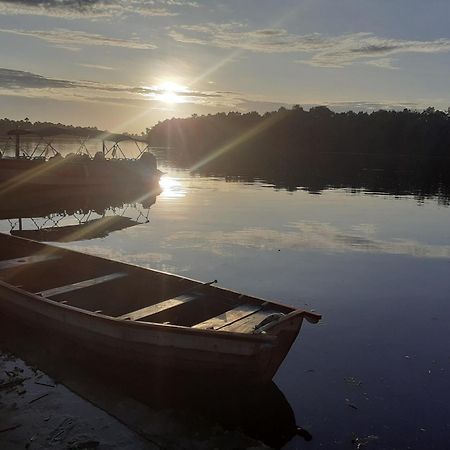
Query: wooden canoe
(153, 321)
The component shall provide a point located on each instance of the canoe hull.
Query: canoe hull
(156, 349)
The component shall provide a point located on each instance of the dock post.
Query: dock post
(17, 145)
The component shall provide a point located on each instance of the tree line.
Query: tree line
(399, 152)
(290, 138)
(9, 124)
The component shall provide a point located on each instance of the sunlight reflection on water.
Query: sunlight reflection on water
(172, 187)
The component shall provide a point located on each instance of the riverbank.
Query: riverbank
(37, 413)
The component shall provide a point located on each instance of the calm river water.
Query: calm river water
(375, 373)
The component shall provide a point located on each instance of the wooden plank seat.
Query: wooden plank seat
(81, 284)
(161, 306)
(17, 262)
(228, 317)
(248, 323)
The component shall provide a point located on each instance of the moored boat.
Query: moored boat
(47, 167)
(151, 320)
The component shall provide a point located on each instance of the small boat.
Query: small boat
(151, 321)
(108, 167)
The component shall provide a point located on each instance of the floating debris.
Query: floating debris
(353, 380)
(84, 445)
(44, 384)
(11, 428)
(64, 427)
(351, 405)
(361, 442)
(38, 398)
(32, 438)
(12, 383)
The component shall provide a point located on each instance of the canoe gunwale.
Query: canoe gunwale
(141, 268)
(310, 317)
(150, 326)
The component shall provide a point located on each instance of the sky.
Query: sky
(125, 65)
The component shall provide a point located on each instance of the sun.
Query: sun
(170, 92)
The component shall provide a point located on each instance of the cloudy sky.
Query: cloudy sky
(124, 65)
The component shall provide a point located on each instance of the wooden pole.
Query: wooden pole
(17, 145)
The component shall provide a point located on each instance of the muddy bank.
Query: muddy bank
(36, 412)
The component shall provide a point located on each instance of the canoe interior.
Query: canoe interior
(128, 292)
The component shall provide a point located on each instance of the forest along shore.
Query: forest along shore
(399, 152)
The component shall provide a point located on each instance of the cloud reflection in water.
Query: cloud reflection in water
(306, 236)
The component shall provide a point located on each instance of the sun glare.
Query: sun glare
(170, 92)
(171, 187)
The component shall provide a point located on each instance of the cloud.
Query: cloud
(17, 79)
(92, 9)
(324, 51)
(375, 106)
(384, 63)
(304, 236)
(63, 36)
(17, 82)
(31, 85)
(97, 66)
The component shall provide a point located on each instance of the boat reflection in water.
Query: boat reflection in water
(72, 214)
(193, 407)
(261, 413)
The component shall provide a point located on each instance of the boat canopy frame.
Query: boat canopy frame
(53, 221)
(142, 144)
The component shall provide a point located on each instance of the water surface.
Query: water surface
(377, 267)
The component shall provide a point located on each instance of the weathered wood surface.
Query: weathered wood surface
(228, 317)
(159, 307)
(248, 324)
(81, 284)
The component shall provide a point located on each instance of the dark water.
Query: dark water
(375, 373)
